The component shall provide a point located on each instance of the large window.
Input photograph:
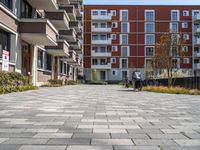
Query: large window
(174, 27)
(125, 27)
(124, 39)
(7, 3)
(149, 27)
(40, 59)
(61, 67)
(4, 41)
(149, 15)
(65, 68)
(149, 39)
(44, 60)
(149, 51)
(124, 15)
(124, 63)
(124, 51)
(174, 15)
(48, 60)
(26, 10)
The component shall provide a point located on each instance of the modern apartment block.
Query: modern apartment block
(119, 39)
(43, 38)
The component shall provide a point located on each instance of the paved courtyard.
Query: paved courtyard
(91, 117)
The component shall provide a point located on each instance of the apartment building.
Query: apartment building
(119, 39)
(43, 38)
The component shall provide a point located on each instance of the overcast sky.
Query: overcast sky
(144, 2)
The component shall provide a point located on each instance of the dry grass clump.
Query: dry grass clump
(171, 90)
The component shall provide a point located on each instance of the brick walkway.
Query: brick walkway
(88, 117)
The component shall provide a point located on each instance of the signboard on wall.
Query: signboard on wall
(5, 60)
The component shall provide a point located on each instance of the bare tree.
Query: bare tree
(168, 49)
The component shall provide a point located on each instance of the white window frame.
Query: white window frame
(184, 25)
(153, 39)
(178, 13)
(128, 27)
(128, 51)
(121, 39)
(171, 25)
(186, 60)
(121, 63)
(187, 37)
(116, 72)
(116, 24)
(113, 60)
(113, 11)
(114, 48)
(113, 35)
(187, 13)
(185, 48)
(153, 27)
(149, 10)
(124, 10)
(150, 47)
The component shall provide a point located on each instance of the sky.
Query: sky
(143, 2)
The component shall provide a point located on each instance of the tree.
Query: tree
(167, 51)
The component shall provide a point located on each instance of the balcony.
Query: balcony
(70, 10)
(38, 32)
(63, 2)
(75, 45)
(102, 42)
(76, 25)
(77, 7)
(102, 17)
(101, 54)
(196, 18)
(59, 19)
(197, 30)
(197, 54)
(62, 49)
(197, 41)
(104, 30)
(68, 35)
(197, 66)
(101, 66)
(72, 57)
(47, 5)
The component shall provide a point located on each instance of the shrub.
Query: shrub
(171, 90)
(72, 82)
(56, 82)
(98, 82)
(51, 85)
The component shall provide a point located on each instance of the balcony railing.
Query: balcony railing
(197, 54)
(102, 42)
(101, 66)
(102, 17)
(197, 66)
(97, 29)
(48, 5)
(197, 41)
(196, 18)
(101, 54)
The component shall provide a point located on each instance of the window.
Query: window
(186, 36)
(65, 68)
(7, 3)
(174, 27)
(113, 12)
(103, 37)
(94, 61)
(124, 75)
(113, 60)
(114, 24)
(103, 62)
(184, 25)
(149, 51)
(149, 39)
(149, 27)
(124, 51)
(102, 49)
(48, 62)
(114, 48)
(149, 15)
(94, 37)
(114, 72)
(186, 60)
(175, 15)
(40, 59)
(68, 69)
(26, 10)
(125, 27)
(124, 39)
(196, 13)
(124, 63)
(61, 67)
(95, 24)
(95, 49)
(103, 25)
(103, 13)
(186, 13)
(185, 48)
(175, 63)
(95, 13)
(4, 41)
(113, 36)
(124, 15)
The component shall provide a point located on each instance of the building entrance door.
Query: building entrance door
(26, 59)
(102, 75)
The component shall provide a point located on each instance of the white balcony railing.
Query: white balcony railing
(102, 17)
(197, 66)
(197, 54)
(101, 54)
(197, 30)
(197, 41)
(101, 66)
(102, 42)
(98, 29)
(197, 17)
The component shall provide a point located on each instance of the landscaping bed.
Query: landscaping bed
(171, 90)
(60, 83)
(14, 82)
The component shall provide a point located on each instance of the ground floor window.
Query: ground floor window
(4, 41)
(65, 68)
(40, 59)
(48, 64)
(44, 60)
(61, 67)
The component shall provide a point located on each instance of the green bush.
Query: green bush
(98, 82)
(55, 82)
(171, 90)
(51, 85)
(72, 82)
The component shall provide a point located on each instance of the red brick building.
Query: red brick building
(119, 39)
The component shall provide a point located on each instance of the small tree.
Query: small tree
(168, 49)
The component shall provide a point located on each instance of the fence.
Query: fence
(188, 82)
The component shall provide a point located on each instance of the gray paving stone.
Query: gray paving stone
(167, 136)
(154, 142)
(111, 142)
(82, 147)
(192, 142)
(53, 135)
(128, 136)
(91, 135)
(25, 141)
(39, 147)
(136, 148)
(3, 140)
(9, 147)
(69, 141)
